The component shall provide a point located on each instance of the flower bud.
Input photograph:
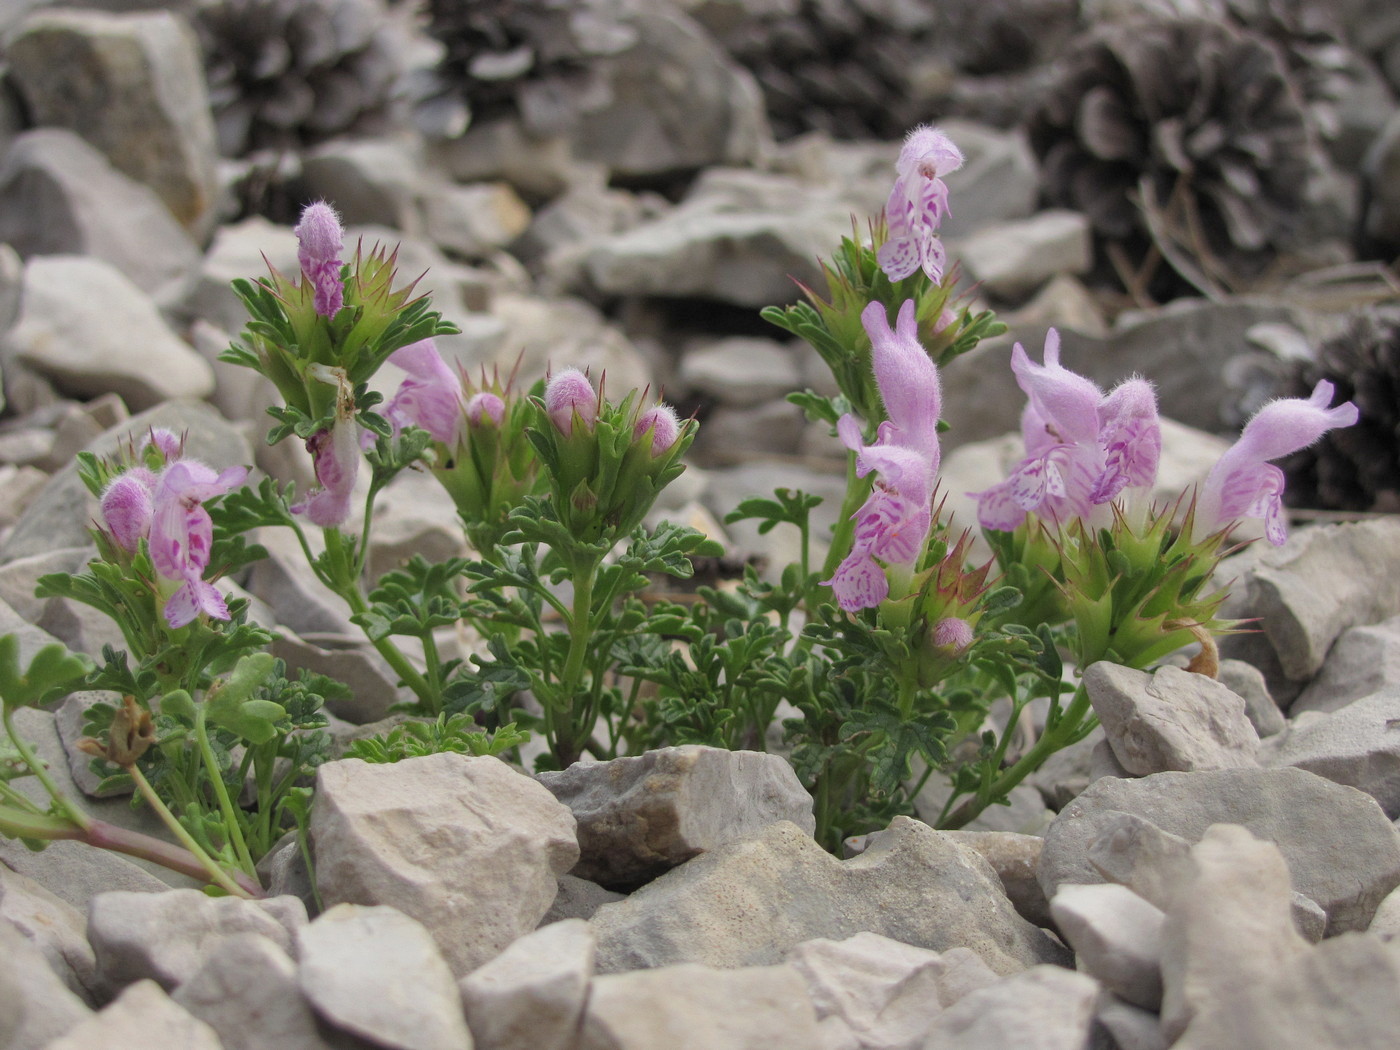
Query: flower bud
(167, 442)
(127, 507)
(569, 394)
(952, 634)
(485, 407)
(320, 240)
(663, 425)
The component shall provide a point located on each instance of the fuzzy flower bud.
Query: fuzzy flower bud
(952, 634)
(663, 425)
(569, 394)
(320, 246)
(128, 505)
(485, 408)
(167, 442)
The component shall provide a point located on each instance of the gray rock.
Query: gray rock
(414, 515)
(1228, 925)
(1247, 681)
(167, 936)
(1386, 922)
(18, 578)
(371, 181)
(473, 221)
(1381, 166)
(51, 925)
(242, 249)
(377, 974)
(1066, 774)
(467, 846)
(748, 901)
(1324, 581)
(691, 1005)
(741, 371)
(347, 658)
(1014, 858)
(546, 333)
(533, 993)
(886, 993)
(35, 1004)
(1340, 993)
(68, 720)
(1357, 745)
(736, 238)
(248, 993)
(541, 166)
(999, 179)
(59, 515)
(144, 1016)
(1342, 851)
(1043, 1008)
(1131, 1027)
(640, 816)
(1170, 719)
(731, 435)
(1363, 660)
(1116, 937)
(133, 86)
(1013, 259)
(87, 328)
(577, 899)
(674, 101)
(62, 197)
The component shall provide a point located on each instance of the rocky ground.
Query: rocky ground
(622, 187)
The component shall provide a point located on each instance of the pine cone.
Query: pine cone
(285, 74)
(1356, 467)
(1185, 133)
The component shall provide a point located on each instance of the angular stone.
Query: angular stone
(1170, 719)
(1228, 925)
(378, 974)
(1342, 851)
(371, 181)
(886, 993)
(247, 992)
(533, 993)
(473, 221)
(1324, 581)
(1248, 682)
(1342, 993)
(133, 86)
(35, 1004)
(62, 197)
(740, 371)
(1043, 1008)
(1131, 1027)
(167, 936)
(691, 1005)
(1363, 661)
(1116, 937)
(640, 816)
(141, 1016)
(53, 926)
(749, 901)
(1014, 858)
(578, 899)
(465, 845)
(69, 720)
(238, 251)
(1358, 745)
(1012, 259)
(88, 329)
(735, 238)
(347, 658)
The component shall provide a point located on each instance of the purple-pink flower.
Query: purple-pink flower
(569, 394)
(661, 423)
(127, 504)
(182, 535)
(335, 454)
(485, 408)
(320, 244)
(1082, 448)
(917, 203)
(1244, 484)
(893, 524)
(430, 397)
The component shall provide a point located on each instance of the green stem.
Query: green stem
(40, 771)
(216, 780)
(205, 865)
(1070, 727)
(392, 656)
(580, 633)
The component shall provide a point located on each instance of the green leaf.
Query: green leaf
(53, 673)
(231, 703)
(178, 705)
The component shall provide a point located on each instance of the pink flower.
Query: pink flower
(952, 634)
(917, 203)
(182, 534)
(485, 407)
(894, 523)
(430, 397)
(335, 453)
(567, 395)
(1130, 435)
(128, 504)
(168, 442)
(320, 240)
(1244, 484)
(661, 423)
